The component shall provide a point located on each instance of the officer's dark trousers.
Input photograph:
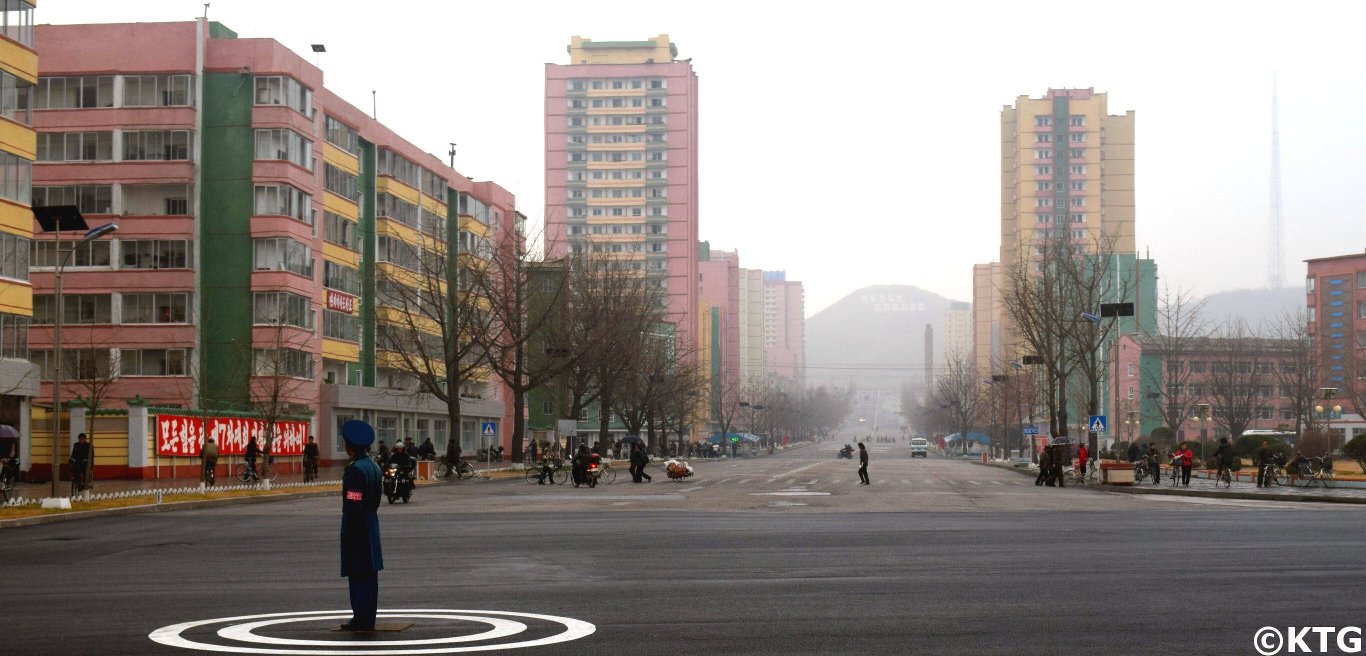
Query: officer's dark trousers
(364, 600)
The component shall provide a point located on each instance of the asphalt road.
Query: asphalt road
(936, 557)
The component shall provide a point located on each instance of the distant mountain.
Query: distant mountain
(874, 337)
(1255, 306)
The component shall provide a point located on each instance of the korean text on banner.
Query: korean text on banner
(184, 436)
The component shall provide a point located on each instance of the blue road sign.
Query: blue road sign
(1097, 424)
(1031, 430)
(489, 429)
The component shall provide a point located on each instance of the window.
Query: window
(16, 178)
(17, 19)
(283, 90)
(75, 146)
(1077, 185)
(1309, 285)
(399, 168)
(16, 99)
(1076, 137)
(399, 253)
(1076, 121)
(289, 363)
(393, 207)
(341, 135)
(1361, 280)
(14, 252)
(1079, 218)
(281, 309)
(284, 200)
(341, 182)
(78, 364)
(152, 362)
(74, 92)
(474, 208)
(1043, 170)
(1043, 137)
(79, 308)
(14, 336)
(1361, 340)
(282, 254)
(156, 90)
(1077, 169)
(1361, 309)
(167, 307)
(155, 254)
(341, 277)
(434, 185)
(1042, 153)
(339, 325)
(88, 254)
(1076, 153)
(285, 145)
(90, 199)
(168, 145)
(340, 230)
(1129, 370)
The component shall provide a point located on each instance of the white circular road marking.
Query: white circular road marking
(245, 625)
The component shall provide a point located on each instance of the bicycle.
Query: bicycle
(606, 473)
(1224, 477)
(463, 470)
(80, 480)
(1141, 471)
(1276, 475)
(556, 475)
(7, 475)
(267, 472)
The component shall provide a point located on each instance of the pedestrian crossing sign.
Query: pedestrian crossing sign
(489, 428)
(1097, 424)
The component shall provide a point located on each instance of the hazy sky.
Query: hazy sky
(857, 142)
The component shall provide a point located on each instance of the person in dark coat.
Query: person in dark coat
(863, 464)
(361, 557)
(253, 452)
(1264, 460)
(1155, 462)
(1062, 458)
(1045, 467)
(1133, 452)
(638, 462)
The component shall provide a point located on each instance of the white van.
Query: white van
(919, 447)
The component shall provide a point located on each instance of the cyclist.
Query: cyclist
(1223, 456)
(1155, 462)
(546, 468)
(1297, 467)
(253, 452)
(1081, 460)
(80, 461)
(9, 458)
(210, 460)
(427, 451)
(311, 459)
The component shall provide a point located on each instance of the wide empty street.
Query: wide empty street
(780, 554)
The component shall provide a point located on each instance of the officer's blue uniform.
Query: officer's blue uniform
(361, 559)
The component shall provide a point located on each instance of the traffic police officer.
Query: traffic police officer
(361, 560)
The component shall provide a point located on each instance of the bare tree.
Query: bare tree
(1239, 374)
(959, 397)
(1181, 328)
(282, 370)
(1297, 368)
(90, 374)
(432, 319)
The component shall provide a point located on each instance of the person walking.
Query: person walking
(361, 554)
(863, 464)
(311, 459)
(81, 456)
(1045, 467)
(1062, 458)
(1133, 452)
(1264, 459)
(209, 457)
(1155, 462)
(1182, 458)
(638, 461)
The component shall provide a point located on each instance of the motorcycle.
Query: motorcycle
(847, 453)
(398, 483)
(490, 455)
(591, 473)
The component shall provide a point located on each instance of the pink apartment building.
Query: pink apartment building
(784, 328)
(719, 289)
(242, 188)
(621, 162)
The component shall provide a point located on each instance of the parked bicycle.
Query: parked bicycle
(1224, 477)
(1141, 471)
(462, 470)
(9, 469)
(267, 471)
(81, 481)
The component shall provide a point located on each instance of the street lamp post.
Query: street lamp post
(1202, 417)
(56, 220)
(1328, 414)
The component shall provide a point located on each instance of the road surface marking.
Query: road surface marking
(794, 471)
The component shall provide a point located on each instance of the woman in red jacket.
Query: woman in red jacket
(1184, 456)
(1081, 459)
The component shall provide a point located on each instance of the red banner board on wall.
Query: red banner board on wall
(184, 436)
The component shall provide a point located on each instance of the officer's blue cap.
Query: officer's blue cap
(358, 433)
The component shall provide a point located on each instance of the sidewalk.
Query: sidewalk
(1201, 487)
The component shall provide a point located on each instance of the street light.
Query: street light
(57, 219)
(1202, 417)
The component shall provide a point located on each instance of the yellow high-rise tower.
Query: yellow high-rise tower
(18, 76)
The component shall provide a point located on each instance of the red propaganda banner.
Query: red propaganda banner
(341, 302)
(184, 436)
